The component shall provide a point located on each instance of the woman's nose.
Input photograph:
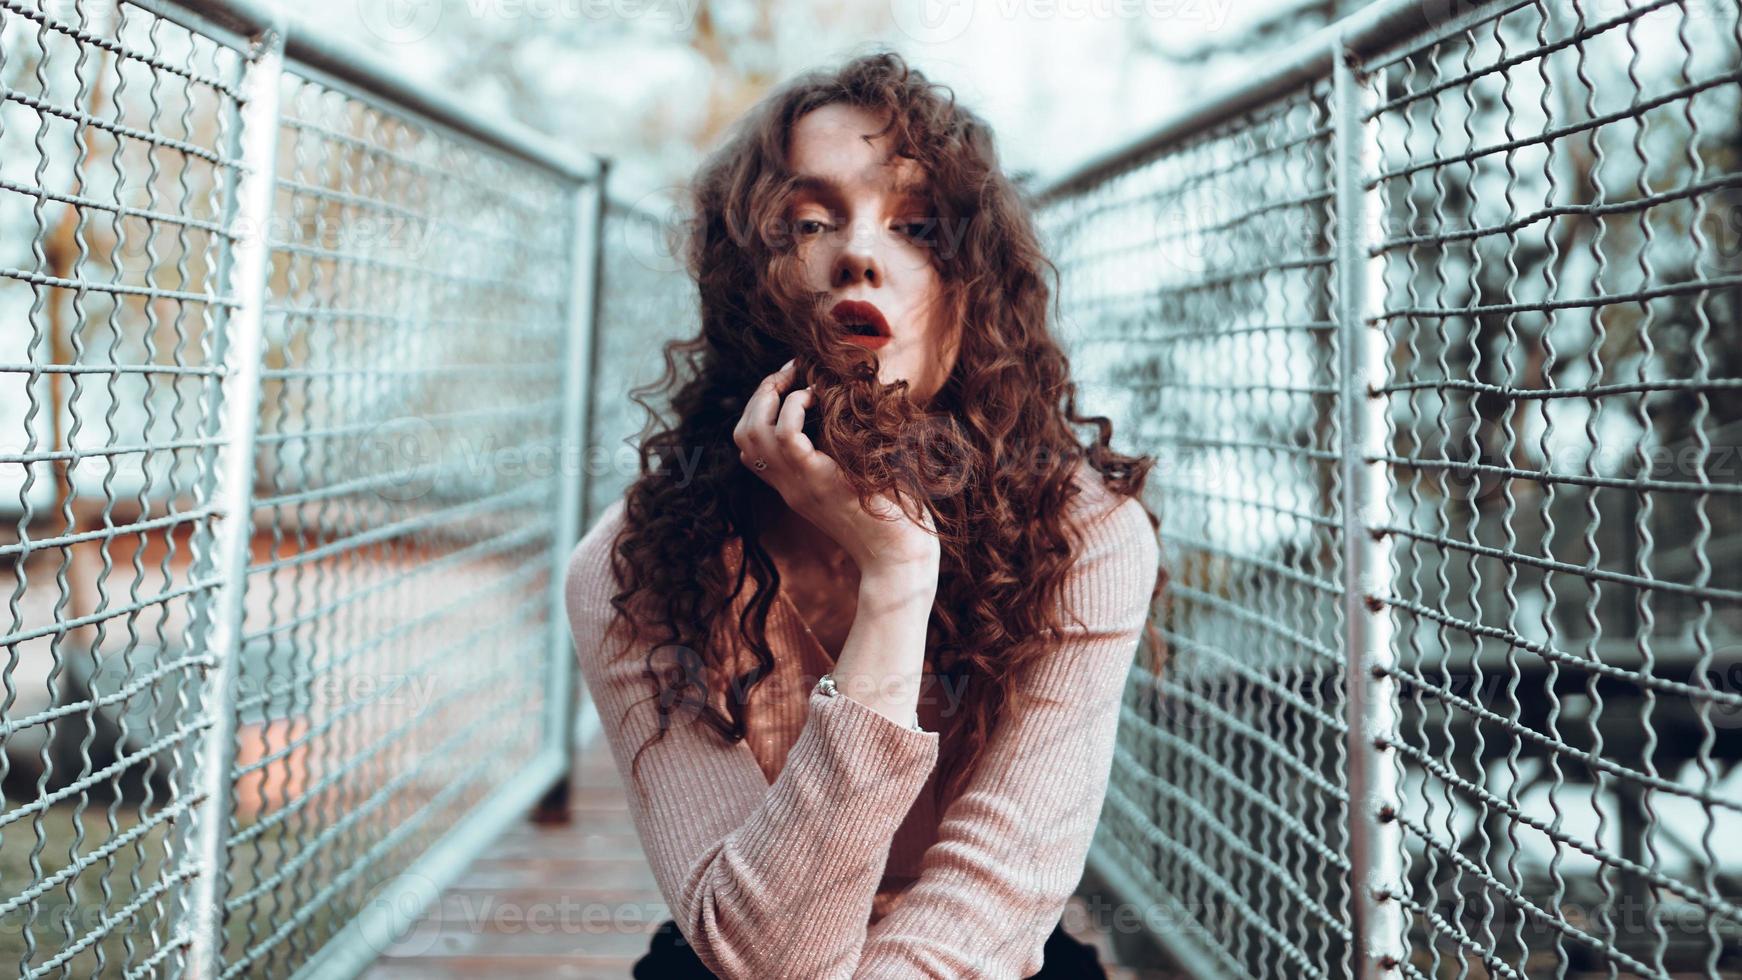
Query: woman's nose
(857, 261)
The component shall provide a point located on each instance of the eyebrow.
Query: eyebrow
(826, 186)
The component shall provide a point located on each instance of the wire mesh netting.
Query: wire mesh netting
(1197, 302)
(408, 467)
(1550, 249)
(391, 656)
(115, 149)
(645, 300)
(1563, 295)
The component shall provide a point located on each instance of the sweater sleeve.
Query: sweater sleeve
(763, 880)
(1010, 849)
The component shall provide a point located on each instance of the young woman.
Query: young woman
(861, 664)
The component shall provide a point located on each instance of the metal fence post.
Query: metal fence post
(1371, 716)
(241, 346)
(589, 228)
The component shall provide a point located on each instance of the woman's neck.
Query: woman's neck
(800, 547)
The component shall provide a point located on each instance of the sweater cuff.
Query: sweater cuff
(861, 748)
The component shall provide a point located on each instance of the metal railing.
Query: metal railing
(1434, 327)
(299, 365)
(645, 300)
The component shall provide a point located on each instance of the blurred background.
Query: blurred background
(653, 83)
(313, 370)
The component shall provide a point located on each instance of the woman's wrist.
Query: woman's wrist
(881, 662)
(892, 586)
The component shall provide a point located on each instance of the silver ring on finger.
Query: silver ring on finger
(760, 464)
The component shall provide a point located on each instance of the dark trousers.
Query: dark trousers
(670, 957)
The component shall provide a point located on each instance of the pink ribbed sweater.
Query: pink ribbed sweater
(816, 848)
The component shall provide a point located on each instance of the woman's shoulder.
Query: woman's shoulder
(589, 579)
(1105, 515)
(1115, 570)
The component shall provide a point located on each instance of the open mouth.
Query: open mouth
(863, 322)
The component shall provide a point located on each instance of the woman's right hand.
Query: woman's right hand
(886, 539)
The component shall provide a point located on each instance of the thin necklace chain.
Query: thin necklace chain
(790, 607)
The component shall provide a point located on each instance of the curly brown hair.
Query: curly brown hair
(991, 455)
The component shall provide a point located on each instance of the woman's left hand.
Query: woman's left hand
(884, 538)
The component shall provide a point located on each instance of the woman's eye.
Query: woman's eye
(917, 230)
(810, 226)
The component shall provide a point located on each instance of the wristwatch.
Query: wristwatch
(826, 686)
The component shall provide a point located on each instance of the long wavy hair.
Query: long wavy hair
(991, 456)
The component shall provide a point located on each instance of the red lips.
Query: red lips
(864, 322)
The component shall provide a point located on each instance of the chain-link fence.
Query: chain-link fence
(645, 300)
(297, 368)
(1436, 330)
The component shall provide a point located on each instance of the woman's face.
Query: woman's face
(857, 220)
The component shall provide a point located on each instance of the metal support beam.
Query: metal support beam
(589, 227)
(1368, 695)
(238, 347)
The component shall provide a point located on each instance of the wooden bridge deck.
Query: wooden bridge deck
(576, 902)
